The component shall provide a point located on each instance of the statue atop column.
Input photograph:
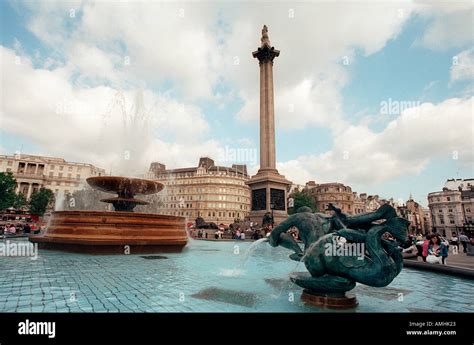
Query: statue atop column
(265, 53)
(265, 40)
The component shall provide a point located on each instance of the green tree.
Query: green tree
(301, 199)
(19, 201)
(40, 201)
(7, 190)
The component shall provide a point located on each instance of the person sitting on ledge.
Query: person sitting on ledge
(437, 251)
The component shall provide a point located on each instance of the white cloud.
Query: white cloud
(190, 49)
(100, 124)
(450, 26)
(92, 63)
(309, 74)
(463, 66)
(418, 136)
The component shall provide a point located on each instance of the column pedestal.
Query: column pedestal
(267, 188)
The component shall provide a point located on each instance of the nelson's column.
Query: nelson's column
(269, 188)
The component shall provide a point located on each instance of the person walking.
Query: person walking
(464, 241)
(455, 241)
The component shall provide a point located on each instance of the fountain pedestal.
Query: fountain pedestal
(326, 291)
(118, 232)
(342, 301)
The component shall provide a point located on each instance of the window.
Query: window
(448, 198)
(61, 168)
(450, 210)
(70, 169)
(451, 221)
(51, 167)
(51, 174)
(10, 163)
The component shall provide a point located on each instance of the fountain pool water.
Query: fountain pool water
(248, 253)
(193, 281)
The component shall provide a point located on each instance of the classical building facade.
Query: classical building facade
(359, 204)
(452, 208)
(415, 215)
(446, 211)
(216, 193)
(33, 172)
(335, 193)
(427, 220)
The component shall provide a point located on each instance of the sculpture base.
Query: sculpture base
(341, 301)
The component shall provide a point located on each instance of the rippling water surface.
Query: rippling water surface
(206, 277)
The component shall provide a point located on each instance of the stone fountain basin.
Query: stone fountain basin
(124, 185)
(100, 232)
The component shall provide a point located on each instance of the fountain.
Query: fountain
(120, 231)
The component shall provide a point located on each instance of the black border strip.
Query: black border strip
(240, 328)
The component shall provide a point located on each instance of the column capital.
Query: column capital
(266, 54)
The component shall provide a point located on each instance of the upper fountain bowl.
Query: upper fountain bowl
(124, 186)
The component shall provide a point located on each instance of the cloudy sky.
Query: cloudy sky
(374, 94)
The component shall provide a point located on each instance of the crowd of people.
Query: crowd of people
(12, 229)
(237, 233)
(434, 249)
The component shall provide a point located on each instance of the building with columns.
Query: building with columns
(269, 189)
(216, 193)
(359, 204)
(452, 209)
(427, 220)
(335, 193)
(416, 216)
(33, 172)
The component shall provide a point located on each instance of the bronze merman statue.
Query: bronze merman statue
(326, 239)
